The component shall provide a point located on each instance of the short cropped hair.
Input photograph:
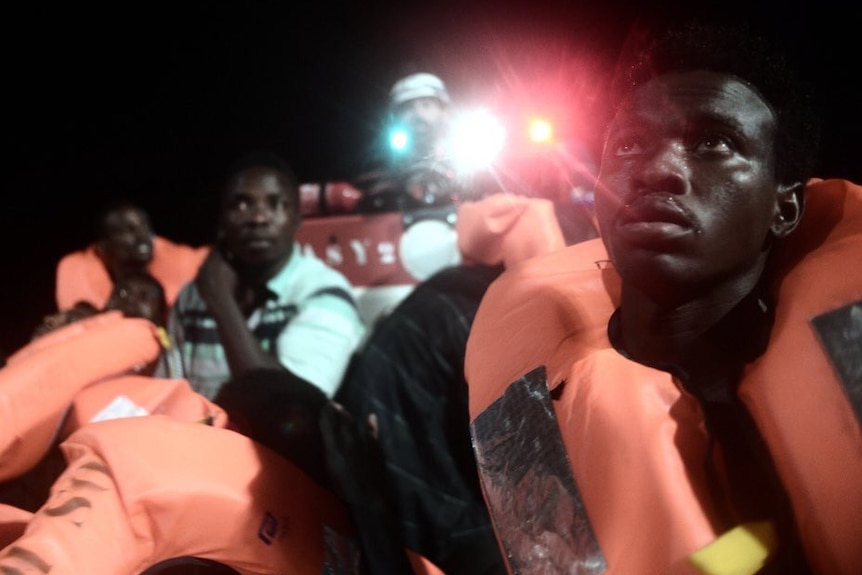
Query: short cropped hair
(740, 51)
(263, 159)
(100, 223)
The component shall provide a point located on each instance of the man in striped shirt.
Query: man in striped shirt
(258, 301)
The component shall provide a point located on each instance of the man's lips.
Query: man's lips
(258, 241)
(655, 209)
(654, 220)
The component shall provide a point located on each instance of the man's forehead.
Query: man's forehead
(259, 180)
(700, 94)
(123, 216)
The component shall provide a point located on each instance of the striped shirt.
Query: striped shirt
(309, 321)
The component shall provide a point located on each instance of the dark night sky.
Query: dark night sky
(150, 101)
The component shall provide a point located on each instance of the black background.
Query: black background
(150, 101)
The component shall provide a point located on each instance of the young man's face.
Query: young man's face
(127, 238)
(686, 193)
(259, 218)
(136, 297)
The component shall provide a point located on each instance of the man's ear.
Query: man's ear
(789, 205)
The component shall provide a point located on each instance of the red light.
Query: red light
(540, 131)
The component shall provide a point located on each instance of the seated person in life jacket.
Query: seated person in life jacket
(125, 244)
(409, 375)
(137, 295)
(689, 368)
(141, 295)
(258, 301)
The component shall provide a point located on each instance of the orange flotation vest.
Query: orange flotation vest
(636, 442)
(13, 522)
(507, 228)
(81, 275)
(140, 395)
(63, 333)
(142, 490)
(39, 382)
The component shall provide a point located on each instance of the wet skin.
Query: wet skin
(687, 196)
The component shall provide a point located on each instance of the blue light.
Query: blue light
(398, 139)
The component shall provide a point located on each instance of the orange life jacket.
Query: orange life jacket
(142, 490)
(89, 393)
(39, 382)
(140, 395)
(13, 522)
(507, 228)
(636, 442)
(81, 275)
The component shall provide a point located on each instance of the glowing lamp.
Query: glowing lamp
(540, 131)
(398, 139)
(477, 139)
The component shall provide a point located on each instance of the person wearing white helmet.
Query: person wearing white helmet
(419, 104)
(415, 171)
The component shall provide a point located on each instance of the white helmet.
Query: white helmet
(421, 85)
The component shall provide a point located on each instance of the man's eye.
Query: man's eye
(628, 148)
(240, 205)
(714, 143)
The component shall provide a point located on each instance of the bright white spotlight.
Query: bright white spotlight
(477, 138)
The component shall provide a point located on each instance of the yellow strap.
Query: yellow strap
(164, 338)
(741, 551)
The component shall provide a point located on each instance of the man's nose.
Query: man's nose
(260, 212)
(411, 112)
(664, 169)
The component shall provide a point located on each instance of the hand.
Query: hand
(353, 458)
(216, 278)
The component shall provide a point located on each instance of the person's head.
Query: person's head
(139, 295)
(419, 104)
(259, 214)
(124, 237)
(278, 410)
(704, 162)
